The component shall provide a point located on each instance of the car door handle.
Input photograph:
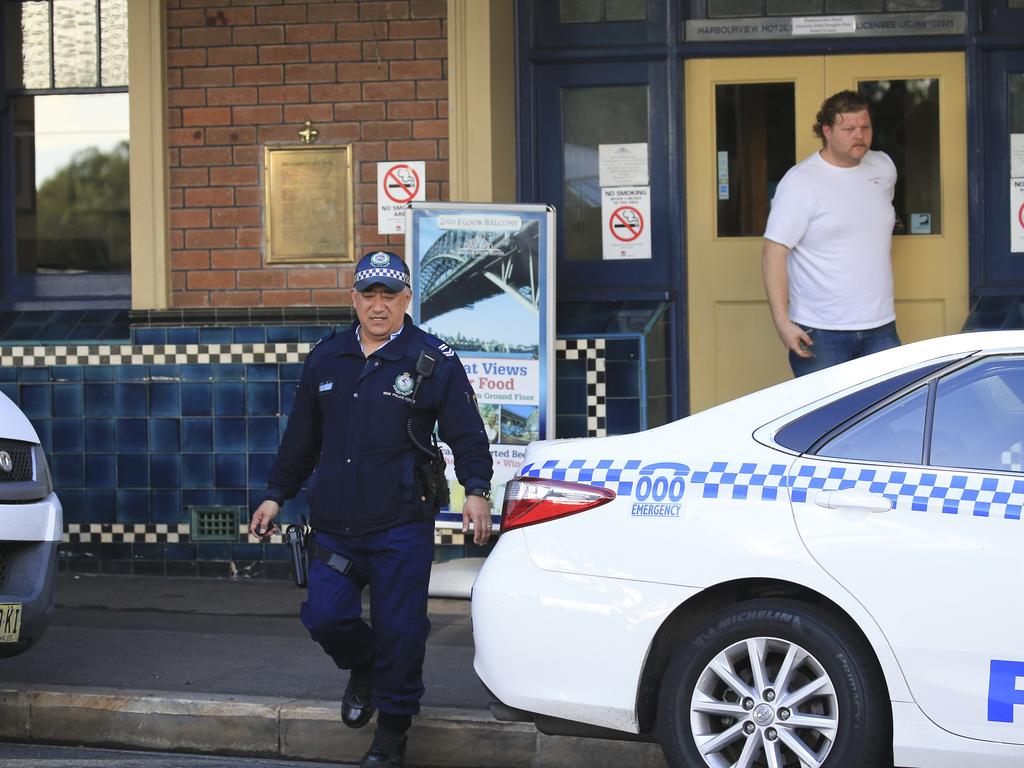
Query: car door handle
(851, 497)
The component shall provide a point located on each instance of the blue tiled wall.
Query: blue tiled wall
(637, 364)
(140, 444)
(143, 443)
(657, 374)
(624, 384)
(571, 398)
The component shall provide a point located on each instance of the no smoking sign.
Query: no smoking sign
(626, 212)
(627, 223)
(398, 184)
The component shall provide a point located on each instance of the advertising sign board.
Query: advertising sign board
(483, 281)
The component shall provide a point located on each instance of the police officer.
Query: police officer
(363, 416)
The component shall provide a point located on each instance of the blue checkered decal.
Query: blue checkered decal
(605, 473)
(394, 274)
(916, 489)
(741, 481)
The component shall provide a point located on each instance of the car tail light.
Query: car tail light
(530, 500)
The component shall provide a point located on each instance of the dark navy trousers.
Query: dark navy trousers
(397, 563)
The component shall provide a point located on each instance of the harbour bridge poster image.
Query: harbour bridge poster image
(483, 281)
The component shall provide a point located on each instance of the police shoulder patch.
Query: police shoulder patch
(440, 346)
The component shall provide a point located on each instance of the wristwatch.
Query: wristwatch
(482, 492)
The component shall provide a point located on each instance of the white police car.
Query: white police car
(31, 528)
(824, 573)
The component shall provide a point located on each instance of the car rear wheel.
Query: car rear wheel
(773, 684)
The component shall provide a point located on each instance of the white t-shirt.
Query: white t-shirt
(838, 224)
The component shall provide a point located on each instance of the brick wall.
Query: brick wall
(240, 76)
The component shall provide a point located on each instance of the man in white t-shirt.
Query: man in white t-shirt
(827, 262)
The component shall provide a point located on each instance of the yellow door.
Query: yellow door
(747, 122)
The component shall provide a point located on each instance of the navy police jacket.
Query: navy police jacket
(349, 424)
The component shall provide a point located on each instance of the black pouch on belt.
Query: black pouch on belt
(341, 564)
(437, 467)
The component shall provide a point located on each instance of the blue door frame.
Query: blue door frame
(994, 270)
(553, 56)
(662, 277)
(639, 278)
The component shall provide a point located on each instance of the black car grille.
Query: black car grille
(20, 455)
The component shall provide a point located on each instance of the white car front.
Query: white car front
(31, 529)
(758, 593)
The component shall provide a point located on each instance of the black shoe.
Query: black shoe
(387, 750)
(357, 701)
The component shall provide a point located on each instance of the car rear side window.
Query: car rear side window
(974, 420)
(804, 432)
(894, 433)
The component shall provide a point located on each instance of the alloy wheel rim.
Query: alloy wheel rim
(764, 702)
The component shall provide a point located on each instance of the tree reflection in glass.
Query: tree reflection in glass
(72, 211)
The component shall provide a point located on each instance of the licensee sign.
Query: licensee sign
(483, 280)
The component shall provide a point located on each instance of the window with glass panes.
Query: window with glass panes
(65, 142)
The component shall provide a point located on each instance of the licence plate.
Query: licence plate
(10, 622)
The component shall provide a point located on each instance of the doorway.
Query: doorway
(747, 122)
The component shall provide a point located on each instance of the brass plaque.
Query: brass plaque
(309, 208)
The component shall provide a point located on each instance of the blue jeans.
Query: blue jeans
(834, 347)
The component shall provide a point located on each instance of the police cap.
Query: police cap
(382, 268)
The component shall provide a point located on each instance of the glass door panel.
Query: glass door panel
(905, 118)
(920, 121)
(577, 109)
(591, 117)
(755, 146)
(598, 11)
(1015, 99)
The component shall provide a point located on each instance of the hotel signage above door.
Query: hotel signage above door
(864, 25)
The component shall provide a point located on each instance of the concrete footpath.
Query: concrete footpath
(225, 667)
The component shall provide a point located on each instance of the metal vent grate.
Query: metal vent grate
(19, 456)
(215, 523)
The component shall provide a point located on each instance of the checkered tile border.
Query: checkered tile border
(143, 533)
(151, 354)
(591, 350)
(243, 534)
(125, 533)
(920, 490)
(165, 533)
(448, 536)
